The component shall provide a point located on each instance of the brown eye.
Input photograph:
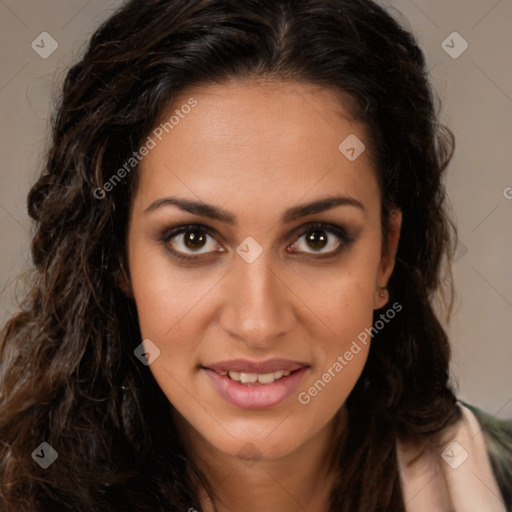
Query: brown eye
(190, 241)
(317, 240)
(322, 240)
(194, 239)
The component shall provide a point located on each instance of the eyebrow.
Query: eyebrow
(213, 212)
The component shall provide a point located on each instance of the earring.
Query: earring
(384, 294)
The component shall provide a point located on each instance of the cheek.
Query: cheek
(165, 294)
(343, 303)
(341, 299)
(340, 355)
(174, 309)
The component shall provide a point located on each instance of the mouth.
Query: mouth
(255, 385)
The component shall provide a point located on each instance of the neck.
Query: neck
(301, 480)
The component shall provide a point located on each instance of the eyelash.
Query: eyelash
(320, 226)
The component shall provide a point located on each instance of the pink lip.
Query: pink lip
(244, 365)
(256, 396)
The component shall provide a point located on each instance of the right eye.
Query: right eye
(190, 241)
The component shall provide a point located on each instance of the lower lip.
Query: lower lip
(255, 396)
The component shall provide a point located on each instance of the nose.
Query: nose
(259, 305)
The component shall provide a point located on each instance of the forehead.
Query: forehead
(258, 138)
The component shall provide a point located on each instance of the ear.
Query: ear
(124, 283)
(387, 262)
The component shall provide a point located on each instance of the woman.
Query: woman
(239, 232)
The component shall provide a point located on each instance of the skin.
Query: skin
(257, 148)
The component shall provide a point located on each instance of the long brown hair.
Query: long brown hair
(68, 373)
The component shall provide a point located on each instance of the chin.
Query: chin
(250, 449)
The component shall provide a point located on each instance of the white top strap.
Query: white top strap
(456, 477)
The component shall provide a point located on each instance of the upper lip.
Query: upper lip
(261, 367)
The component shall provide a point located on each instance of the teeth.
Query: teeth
(248, 378)
(251, 378)
(266, 378)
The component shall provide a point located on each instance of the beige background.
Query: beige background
(476, 91)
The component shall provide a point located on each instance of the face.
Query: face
(256, 256)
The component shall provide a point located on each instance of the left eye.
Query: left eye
(322, 239)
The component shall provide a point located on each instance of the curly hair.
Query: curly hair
(68, 374)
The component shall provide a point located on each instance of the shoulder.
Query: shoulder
(468, 468)
(497, 435)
